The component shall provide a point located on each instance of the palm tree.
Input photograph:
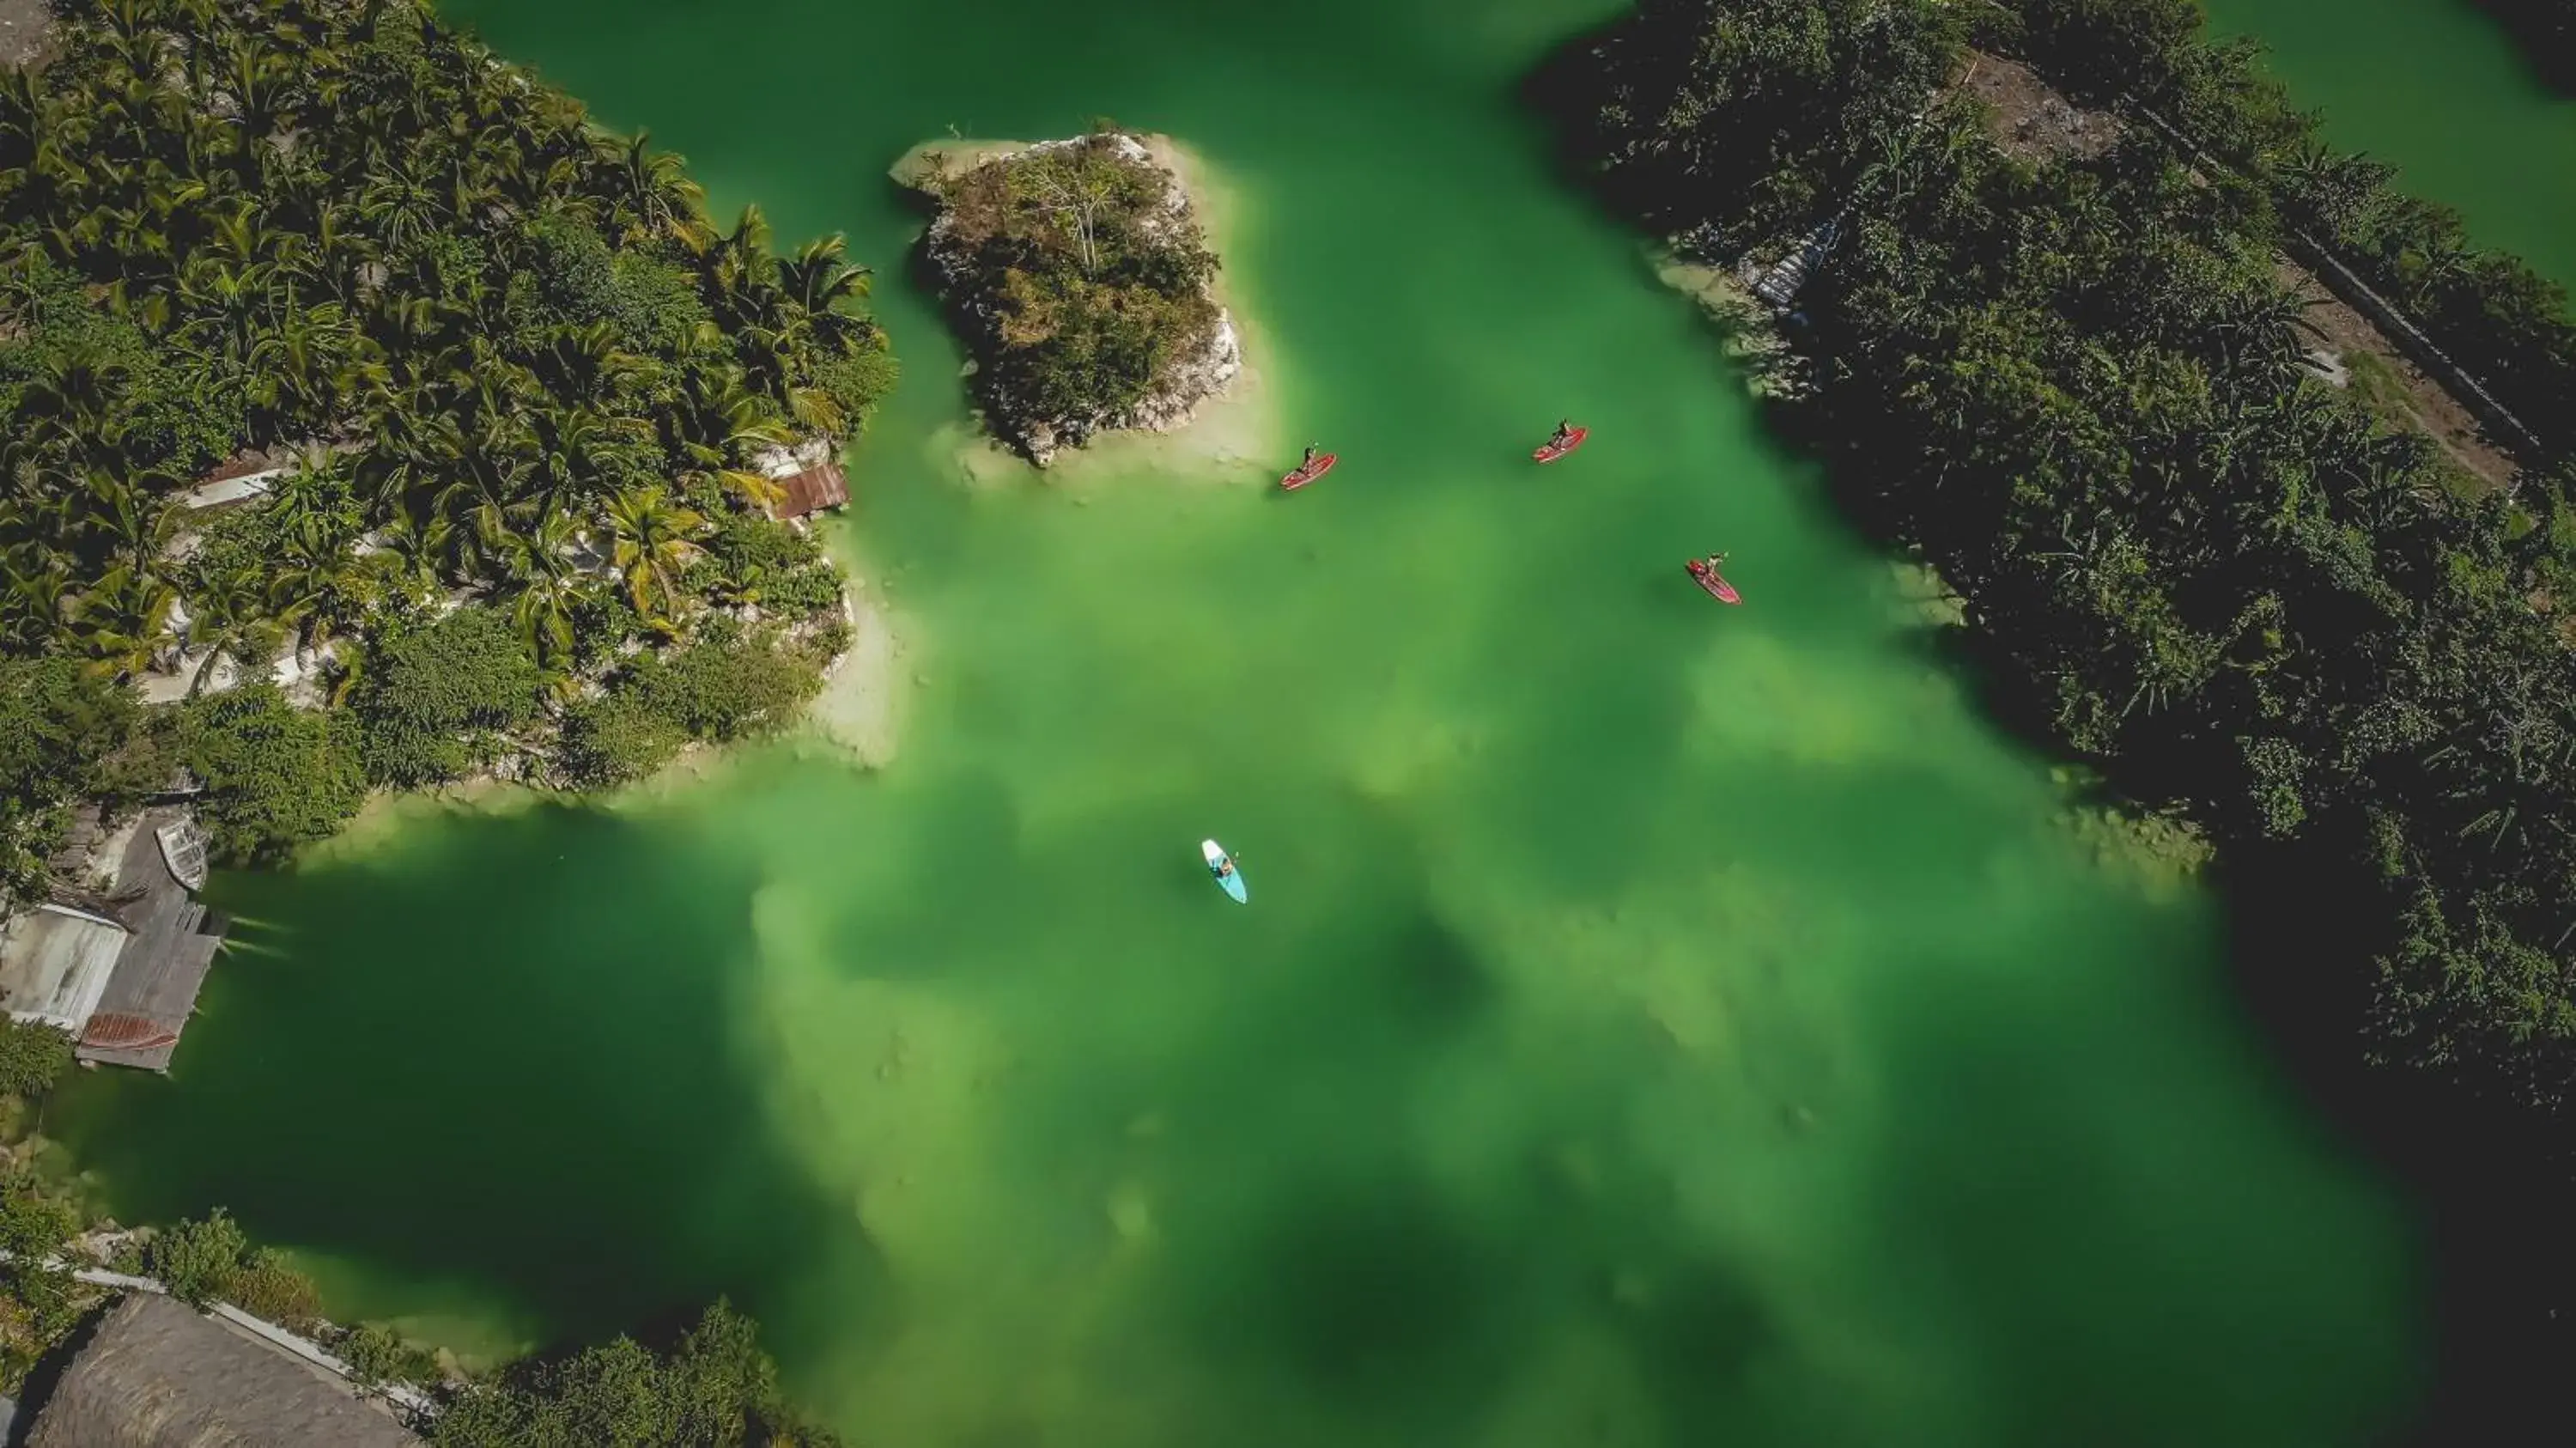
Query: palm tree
(123, 620)
(538, 563)
(71, 404)
(229, 617)
(576, 454)
(413, 551)
(35, 587)
(262, 86)
(741, 274)
(299, 371)
(585, 364)
(651, 188)
(652, 545)
(822, 283)
(320, 593)
(399, 202)
(310, 508)
(232, 304)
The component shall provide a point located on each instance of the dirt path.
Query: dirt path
(2034, 123)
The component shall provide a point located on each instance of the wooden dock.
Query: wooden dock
(154, 990)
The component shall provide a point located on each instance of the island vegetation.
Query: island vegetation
(1080, 276)
(2076, 385)
(519, 385)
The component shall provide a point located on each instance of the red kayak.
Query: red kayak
(1554, 450)
(1718, 588)
(1310, 472)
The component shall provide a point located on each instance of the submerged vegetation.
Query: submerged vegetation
(1083, 281)
(519, 391)
(2075, 384)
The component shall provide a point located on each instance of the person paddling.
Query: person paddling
(1309, 460)
(1714, 562)
(1564, 433)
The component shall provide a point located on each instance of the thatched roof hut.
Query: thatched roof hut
(156, 1374)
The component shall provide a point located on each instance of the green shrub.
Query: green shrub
(265, 1286)
(654, 304)
(759, 560)
(40, 1300)
(377, 1354)
(613, 741)
(434, 701)
(168, 409)
(724, 685)
(275, 776)
(715, 1389)
(576, 272)
(198, 1260)
(855, 380)
(66, 734)
(212, 1260)
(33, 1056)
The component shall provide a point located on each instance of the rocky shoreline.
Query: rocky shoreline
(1180, 385)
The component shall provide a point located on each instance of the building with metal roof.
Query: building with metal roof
(119, 971)
(55, 962)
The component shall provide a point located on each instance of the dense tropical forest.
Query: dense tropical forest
(1079, 282)
(519, 404)
(519, 384)
(2074, 384)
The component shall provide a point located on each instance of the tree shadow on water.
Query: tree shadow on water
(505, 1060)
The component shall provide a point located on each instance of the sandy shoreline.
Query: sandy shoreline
(1233, 437)
(859, 714)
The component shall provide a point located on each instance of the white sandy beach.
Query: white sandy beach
(859, 714)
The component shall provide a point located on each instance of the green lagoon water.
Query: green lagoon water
(2438, 89)
(1655, 1024)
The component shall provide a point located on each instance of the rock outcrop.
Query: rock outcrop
(1023, 250)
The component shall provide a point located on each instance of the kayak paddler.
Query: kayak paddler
(1713, 562)
(1224, 867)
(1564, 432)
(1309, 460)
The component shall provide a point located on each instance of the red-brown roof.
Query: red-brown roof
(241, 465)
(821, 486)
(115, 1032)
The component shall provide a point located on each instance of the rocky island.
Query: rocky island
(1079, 274)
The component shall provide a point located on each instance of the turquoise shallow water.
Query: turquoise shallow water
(1655, 1023)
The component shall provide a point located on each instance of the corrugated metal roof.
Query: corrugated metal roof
(55, 963)
(811, 491)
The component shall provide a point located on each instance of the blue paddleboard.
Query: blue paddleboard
(1229, 877)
